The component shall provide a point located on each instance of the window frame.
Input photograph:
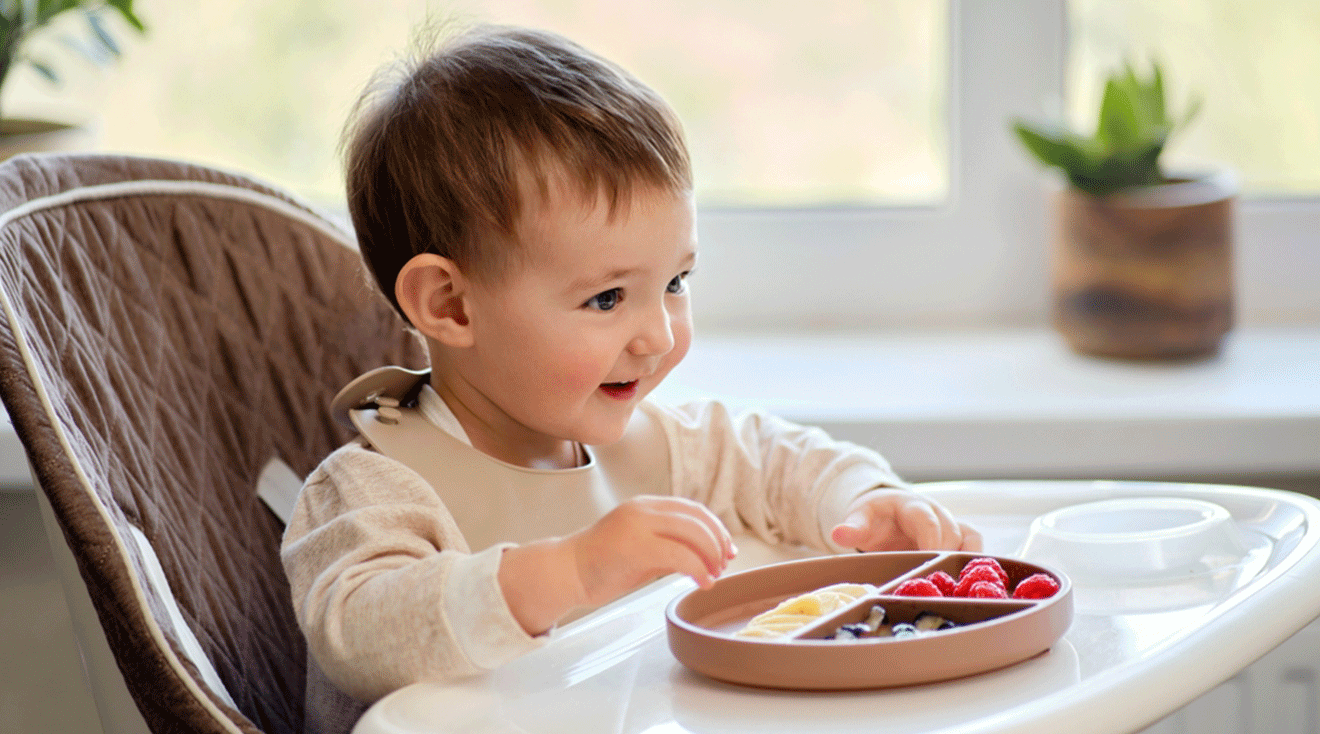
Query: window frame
(980, 257)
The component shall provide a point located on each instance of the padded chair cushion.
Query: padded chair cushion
(168, 329)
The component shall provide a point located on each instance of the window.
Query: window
(855, 159)
(785, 104)
(783, 107)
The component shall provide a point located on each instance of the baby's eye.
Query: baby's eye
(606, 300)
(678, 284)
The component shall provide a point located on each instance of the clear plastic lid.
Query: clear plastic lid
(1136, 539)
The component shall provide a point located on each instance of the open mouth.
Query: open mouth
(620, 390)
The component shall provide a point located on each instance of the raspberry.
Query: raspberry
(943, 581)
(987, 590)
(918, 587)
(973, 575)
(1036, 586)
(992, 563)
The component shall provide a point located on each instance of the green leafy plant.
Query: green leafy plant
(21, 19)
(1125, 150)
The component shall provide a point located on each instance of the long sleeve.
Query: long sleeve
(384, 587)
(780, 481)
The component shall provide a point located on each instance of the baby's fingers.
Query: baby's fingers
(920, 521)
(971, 538)
(931, 526)
(891, 519)
(679, 542)
(691, 533)
(713, 542)
(677, 556)
(863, 530)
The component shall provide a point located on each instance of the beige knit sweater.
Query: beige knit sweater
(394, 576)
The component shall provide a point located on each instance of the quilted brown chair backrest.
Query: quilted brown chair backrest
(167, 330)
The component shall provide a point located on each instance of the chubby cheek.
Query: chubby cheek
(575, 372)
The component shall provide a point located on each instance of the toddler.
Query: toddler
(527, 207)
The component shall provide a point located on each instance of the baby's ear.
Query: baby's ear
(432, 292)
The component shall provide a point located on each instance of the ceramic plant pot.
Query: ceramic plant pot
(1146, 273)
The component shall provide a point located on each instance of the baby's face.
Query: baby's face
(570, 341)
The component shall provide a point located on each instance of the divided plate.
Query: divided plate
(993, 633)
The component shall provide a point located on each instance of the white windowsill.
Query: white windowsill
(1011, 403)
(1018, 403)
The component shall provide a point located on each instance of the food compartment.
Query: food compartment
(953, 565)
(736, 598)
(906, 618)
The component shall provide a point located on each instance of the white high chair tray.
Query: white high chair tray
(1136, 651)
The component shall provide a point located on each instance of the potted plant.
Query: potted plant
(20, 22)
(1142, 264)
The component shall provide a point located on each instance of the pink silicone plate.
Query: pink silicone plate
(993, 633)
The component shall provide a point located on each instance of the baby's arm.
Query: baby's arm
(790, 483)
(387, 593)
(383, 585)
(640, 540)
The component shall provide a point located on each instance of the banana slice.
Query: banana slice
(799, 611)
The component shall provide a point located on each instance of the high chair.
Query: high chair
(170, 340)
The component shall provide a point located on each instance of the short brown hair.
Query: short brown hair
(433, 158)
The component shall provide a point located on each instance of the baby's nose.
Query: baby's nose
(656, 335)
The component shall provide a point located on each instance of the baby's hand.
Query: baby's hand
(647, 537)
(900, 519)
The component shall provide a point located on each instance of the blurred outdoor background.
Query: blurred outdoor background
(836, 102)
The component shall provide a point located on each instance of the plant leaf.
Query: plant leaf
(1155, 95)
(1055, 147)
(48, 9)
(94, 53)
(1139, 168)
(1049, 148)
(1120, 125)
(45, 70)
(102, 34)
(125, 8)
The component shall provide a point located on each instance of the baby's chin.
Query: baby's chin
(604, 435)
(602, 438)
